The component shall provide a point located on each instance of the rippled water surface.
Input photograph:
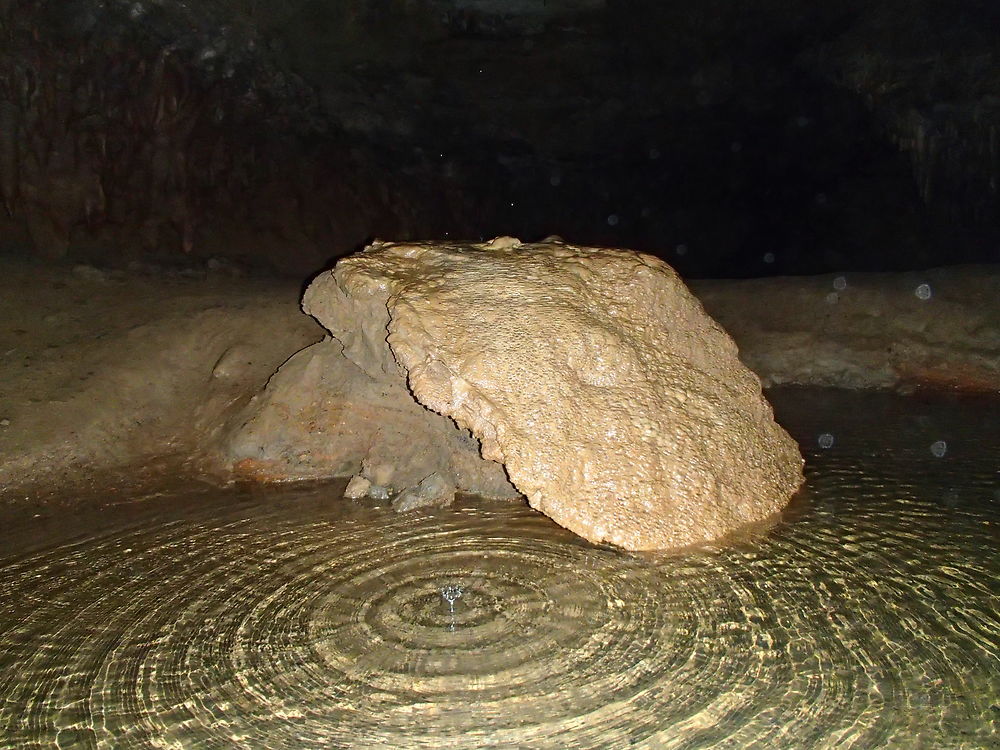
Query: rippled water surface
(866, 617)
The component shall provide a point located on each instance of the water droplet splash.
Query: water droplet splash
(451, 594)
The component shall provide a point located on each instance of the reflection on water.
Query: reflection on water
(868, 617)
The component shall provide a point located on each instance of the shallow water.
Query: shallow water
(866, 617)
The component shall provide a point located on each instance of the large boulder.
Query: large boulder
(613, 401)
(342, 408)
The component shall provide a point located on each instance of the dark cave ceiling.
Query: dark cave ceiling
(732, 138)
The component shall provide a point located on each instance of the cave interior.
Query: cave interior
(732, 139)
(154, 592)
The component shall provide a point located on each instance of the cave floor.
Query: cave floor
(103, 368)
(187, 615)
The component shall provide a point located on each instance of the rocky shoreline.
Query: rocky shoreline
(106, 371)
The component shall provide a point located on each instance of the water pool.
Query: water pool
(867, 616)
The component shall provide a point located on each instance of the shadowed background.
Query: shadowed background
(731, 138)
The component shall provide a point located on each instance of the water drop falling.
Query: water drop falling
(451, 594)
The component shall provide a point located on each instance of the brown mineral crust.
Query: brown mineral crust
(615, 403)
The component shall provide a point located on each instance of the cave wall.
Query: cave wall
(930, 72)
(130, 130)
(731, 138)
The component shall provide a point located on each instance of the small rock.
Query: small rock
(4, 422)
(380, 474)
(378, 492)
(433, 492)
(357, 488)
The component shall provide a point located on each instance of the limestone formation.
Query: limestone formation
(323, 415)
(938, 328)
(615, 403)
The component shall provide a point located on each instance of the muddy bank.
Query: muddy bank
(938, 328)
(105, 371)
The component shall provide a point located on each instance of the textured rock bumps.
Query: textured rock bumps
(616, 405)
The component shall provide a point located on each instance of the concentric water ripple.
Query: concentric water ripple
(868, 618)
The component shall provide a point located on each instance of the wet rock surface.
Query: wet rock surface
(330, 410)
(104, 369)
(434, 491)
(938, 328)
(614, 403)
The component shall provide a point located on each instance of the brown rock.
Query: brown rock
(615, 403)
(322, 415)
(937, 329)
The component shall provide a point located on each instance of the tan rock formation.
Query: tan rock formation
(617, 406)
(322, 415)
(938, 328)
